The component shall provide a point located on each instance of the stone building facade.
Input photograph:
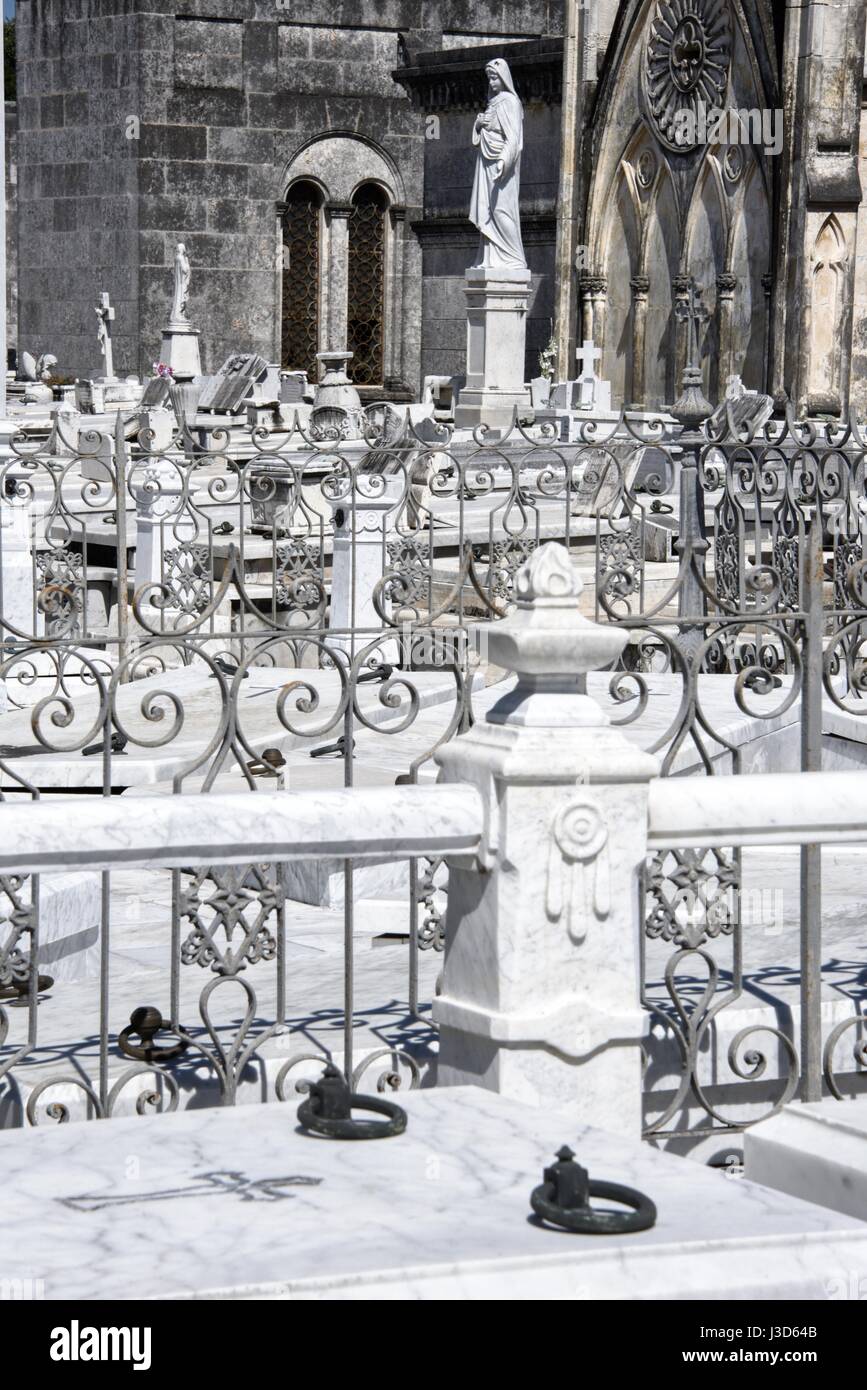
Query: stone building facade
(270, 137)
(763, 211)
(315, 159)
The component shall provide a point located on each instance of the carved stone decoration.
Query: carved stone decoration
(733, 163)
(686, 64)
(579, 883)
(548, 574)
(645, 168)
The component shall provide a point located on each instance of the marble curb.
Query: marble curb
(816, 1152)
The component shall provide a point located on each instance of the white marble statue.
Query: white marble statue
(105, 314)
(499, 136)
(182, 285)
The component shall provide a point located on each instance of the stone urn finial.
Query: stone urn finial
(547, 574)
(551, 646)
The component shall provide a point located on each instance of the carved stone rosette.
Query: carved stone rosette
(686, 65)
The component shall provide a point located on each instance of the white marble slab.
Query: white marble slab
(229, 1203)
(816, 1152)
(70, 911)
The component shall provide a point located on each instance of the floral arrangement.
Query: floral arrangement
(163, 370)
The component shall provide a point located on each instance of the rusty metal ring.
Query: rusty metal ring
(144, 1023)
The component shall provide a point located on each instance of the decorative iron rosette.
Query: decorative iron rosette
(686, 63)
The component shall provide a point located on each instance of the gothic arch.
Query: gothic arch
(662, 266)
(707, 236)
(622, 262)
(829, 266)
(693, 216)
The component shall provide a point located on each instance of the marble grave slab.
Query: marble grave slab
(239, 1204)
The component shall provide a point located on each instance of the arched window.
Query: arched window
(367, 285)
(300, 322)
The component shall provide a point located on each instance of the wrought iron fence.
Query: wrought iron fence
(307, 605)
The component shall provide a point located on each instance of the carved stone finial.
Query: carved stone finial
(551, 646)
(547, 574)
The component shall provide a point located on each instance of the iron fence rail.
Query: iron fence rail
(726, 552)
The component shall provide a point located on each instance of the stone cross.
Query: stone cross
(694, 313)
(105, 313)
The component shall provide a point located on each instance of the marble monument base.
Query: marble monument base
(180, 351)
(496, 342)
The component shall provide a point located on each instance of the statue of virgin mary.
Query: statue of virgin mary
(499, 136)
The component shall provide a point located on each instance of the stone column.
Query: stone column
(767, 286)
(362, 523)
(337, 276)
(579, 24)
(393, 325)
(640, 285)
(540, 992)
(726, 284)
(496, 343)
(594, 295)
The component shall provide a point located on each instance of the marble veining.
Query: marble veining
(444, 1206)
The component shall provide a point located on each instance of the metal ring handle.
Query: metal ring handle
(597, 1223)
(309, 1118)
(145, 1023)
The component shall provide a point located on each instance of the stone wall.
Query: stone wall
(78, 177)
(226, 94)
(11, 224)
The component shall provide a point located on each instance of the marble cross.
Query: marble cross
(105, 313)
(588, 355)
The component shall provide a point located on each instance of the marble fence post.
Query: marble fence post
(362, 521)
(163, 523)
(16, 555)
(540, 990)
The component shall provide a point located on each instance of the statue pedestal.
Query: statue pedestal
(180, 351)
(496, 338)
